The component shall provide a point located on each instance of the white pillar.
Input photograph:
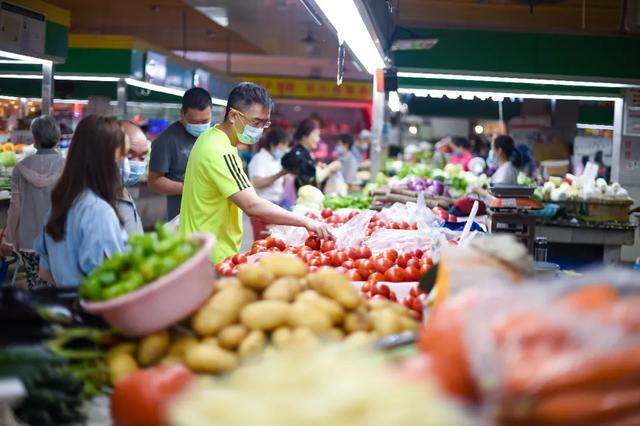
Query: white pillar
(377, 122)
(47, 87)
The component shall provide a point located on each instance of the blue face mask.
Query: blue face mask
(250, 135)
(196, 130)
(278, 154)
(340, 150)
(125, 169)
(364, 147)
(136, 171)
(491, 159)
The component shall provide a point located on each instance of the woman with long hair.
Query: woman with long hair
(508, 159)
(84, 226)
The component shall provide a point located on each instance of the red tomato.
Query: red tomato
(327, 246)
(376, 276)
(353, 252)
(338, 258)
(381, 265)
(394, 274)
(395, 225)
(414, 226)
(365, 268)
(313, 242)
(405, 225)
(413, 262)
(341, 270)
(365, 252)
(239, 258)
(418, 253)
(393, 297)
(417, 305)
(315, 262)
(385, 290)
(441, 213)
(453, 218)
(280, 244)
(412, 273)
(325, 259)
(142, 399)
(326, 212)
(312, 269)
(413, 292)
(306, 257)
(366, 287)
(349, 264)
(378, 297)
(423, 269)
(403, 259)
(392, 255)
(270, 242)
(353, 275)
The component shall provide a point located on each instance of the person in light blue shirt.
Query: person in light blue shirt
(84, 226)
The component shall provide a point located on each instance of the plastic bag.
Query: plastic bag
(417, 212)
(567, 353)
(173, 224)
(353, 233)
(430, 240)
(336, 185)
(292, 235)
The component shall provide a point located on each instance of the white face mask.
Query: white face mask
(136, 171)
(196, 130)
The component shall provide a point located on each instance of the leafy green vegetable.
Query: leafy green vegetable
(418, 170)
(336, 202)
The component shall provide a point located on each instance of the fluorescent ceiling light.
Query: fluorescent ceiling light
(60, 77)
(348, 23)
(25, 58)
(594, 126)
(406, 74)
(216, 14)
(454, 94)
(394, 101)
(22, 76)
(413, 130)
(9, 98)
(154, 87)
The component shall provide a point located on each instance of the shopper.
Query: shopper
(299, 160)
(347, 160)
(31, 183)
(266, 172)
(216, 189)
(170, 151)
(361, 146)
(133, 168)
(508, 159)
(84, 226)
(460, 151)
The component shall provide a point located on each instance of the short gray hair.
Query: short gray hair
(46, 131)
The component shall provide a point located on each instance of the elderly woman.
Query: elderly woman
(31, 184)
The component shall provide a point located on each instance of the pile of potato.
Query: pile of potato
(273, 303)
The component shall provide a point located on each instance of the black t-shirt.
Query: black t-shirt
(299, 162)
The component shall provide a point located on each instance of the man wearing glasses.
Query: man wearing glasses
(216, 189)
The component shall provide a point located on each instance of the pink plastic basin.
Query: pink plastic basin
(164, 301)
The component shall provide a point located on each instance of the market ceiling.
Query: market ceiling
(559, 16)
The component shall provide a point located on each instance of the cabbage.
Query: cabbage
(8, 159)
(310, 194)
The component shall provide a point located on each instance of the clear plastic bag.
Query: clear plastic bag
(417, 212)
(292, 235)
(353, 233)
(565, 353)
(430, 240)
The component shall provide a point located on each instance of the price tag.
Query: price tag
(509, 202)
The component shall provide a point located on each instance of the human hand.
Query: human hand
(6, 250)
(335, 166)
(321, 229)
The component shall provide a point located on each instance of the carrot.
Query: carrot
(577, 407)
(591, 297)
(556, 373)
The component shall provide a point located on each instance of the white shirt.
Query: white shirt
(506, 174)
(263, 164)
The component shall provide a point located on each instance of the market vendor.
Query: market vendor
(299, 160)
(216, 188)
(508, 158)
(84, 226)
(347, 160)
(266, 172)
(170, 150)
(460, 152)
(32, 180)
(133, 168)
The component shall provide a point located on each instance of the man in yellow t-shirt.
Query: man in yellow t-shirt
(216, 189)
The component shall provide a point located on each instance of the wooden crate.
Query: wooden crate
(599, 210)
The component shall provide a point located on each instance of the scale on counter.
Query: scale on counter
(510, 212)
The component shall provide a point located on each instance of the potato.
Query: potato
(206, 358)
(284, 265)
(285, 289)
(153, 347)
(385, 322)
(127, 348)
(308, 315)
(213, 341)
(334, 334)
(265, 315)
(357, 321)
(252, 345)
(221, 310)
(179, 346)
(255, 276)
(331, 283)
(280, 337)
(121, 365)
(223, 283)
(302, 339)
(359, 339)
(408, 324)
(231, 336)
(328, 306)
(170, 359)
